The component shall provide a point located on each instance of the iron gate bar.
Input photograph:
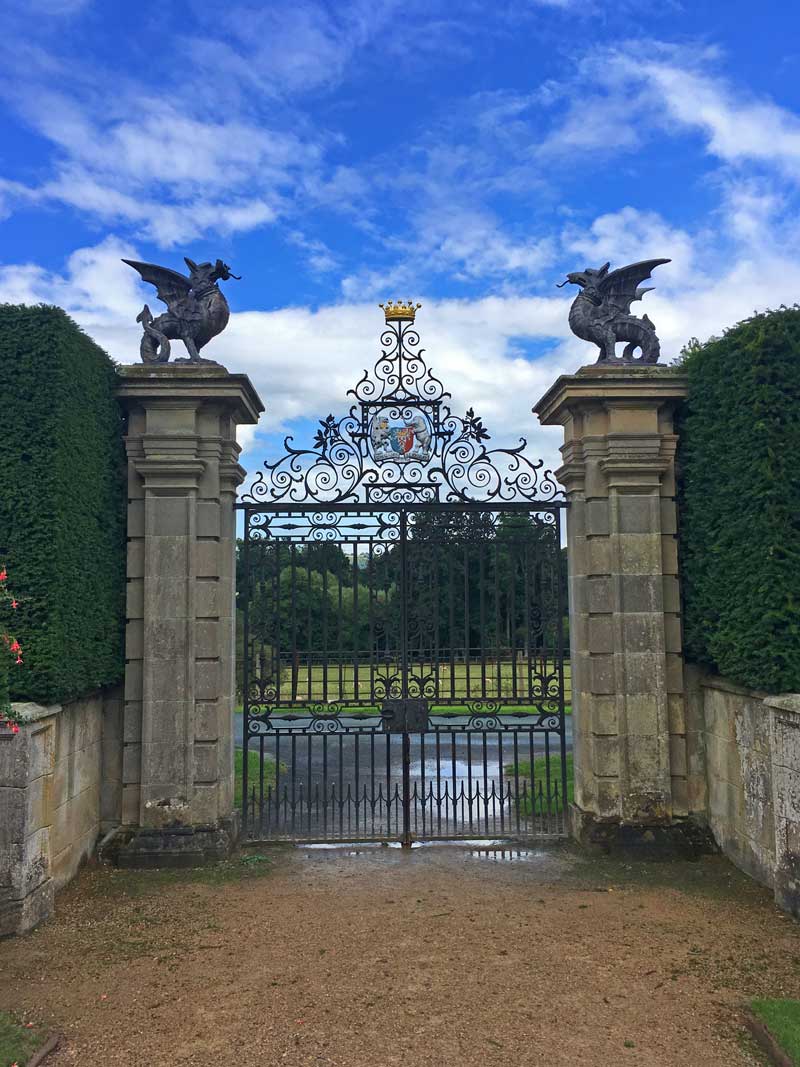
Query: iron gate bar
(418, 488)
(486, 803)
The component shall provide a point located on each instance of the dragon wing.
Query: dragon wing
(170, 285)
(620, 288)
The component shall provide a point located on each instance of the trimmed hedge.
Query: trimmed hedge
(739, 498)
(62, 504)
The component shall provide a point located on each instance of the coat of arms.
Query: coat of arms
(404, 442)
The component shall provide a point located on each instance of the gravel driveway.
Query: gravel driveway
(374, 956)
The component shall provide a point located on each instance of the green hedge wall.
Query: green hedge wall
(739, 497)
(62, 504)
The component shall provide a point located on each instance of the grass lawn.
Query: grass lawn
(17, 1042)
(540, 774)
(782, 1019)
(337, 679)
(439, 710)
(253, 772)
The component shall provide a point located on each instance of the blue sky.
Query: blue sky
(467, 155)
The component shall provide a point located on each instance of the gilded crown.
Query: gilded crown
(399, 310)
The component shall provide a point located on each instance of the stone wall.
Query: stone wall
(60, 788)
(629, 731)
(744, 778)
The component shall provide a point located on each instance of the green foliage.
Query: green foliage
(62, 504)
(18, 1041)
(253, 773)
(782, 1019)
(739, 498)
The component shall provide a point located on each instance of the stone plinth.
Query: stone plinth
(629, 725)
(183, 472)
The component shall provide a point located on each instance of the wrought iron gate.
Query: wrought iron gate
(401, 604)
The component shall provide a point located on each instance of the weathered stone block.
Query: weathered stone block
(669, 516)
(641, 593)
(674, 675)
(608, 797)
(644, 673)
(87, 768)
(167, 557)
(599, 595)
(166, 598)
(166, 678)
(208, 519)
(132, 764)
(206, 722)
(132, 722)
(136, 517)
(642, 632)
(602, 674)
(639, 553)
(601, 634)
(637, 514)
(133, 680)
(131, 798)
(598, 557)
(168, 721)
(207, 599)
(676, 712)
(605, 756)
(38, 803)
(134, 598)
(135, 557)
(211, 640)
(167, 770)
(207, 557)
(167, 516)
(669, 548)
(672, 634)
(645, 714)
(605, 718)
(677, 756)
(206, 762)
(680, 797)
(596, 517)
(14, 761)
(671, 594)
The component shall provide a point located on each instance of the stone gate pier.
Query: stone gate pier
(629, 720)
(177, 803)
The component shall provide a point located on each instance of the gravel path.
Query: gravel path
(374, 956)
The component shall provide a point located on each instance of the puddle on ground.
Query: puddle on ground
(495, 851)
(500, 855)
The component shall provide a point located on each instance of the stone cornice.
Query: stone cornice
(161, 472)
(596, 384)
(182, 384)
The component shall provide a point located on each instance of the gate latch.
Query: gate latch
(404, 716)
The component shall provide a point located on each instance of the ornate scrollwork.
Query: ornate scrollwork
(401, 444)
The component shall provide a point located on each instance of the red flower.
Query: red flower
(14, 603)
(18, 659)
(3, 574)
(14, 728)
(15, 646)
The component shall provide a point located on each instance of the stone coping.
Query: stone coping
(205, 382)
(784, 702)
(658, 383)
(31, 712)
(779, 701)
(716, 681)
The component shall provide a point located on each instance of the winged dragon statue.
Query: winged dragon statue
(196, 308)
(601, 312)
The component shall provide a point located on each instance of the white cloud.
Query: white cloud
(303, 360)
(618, 97)
(628, 235)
